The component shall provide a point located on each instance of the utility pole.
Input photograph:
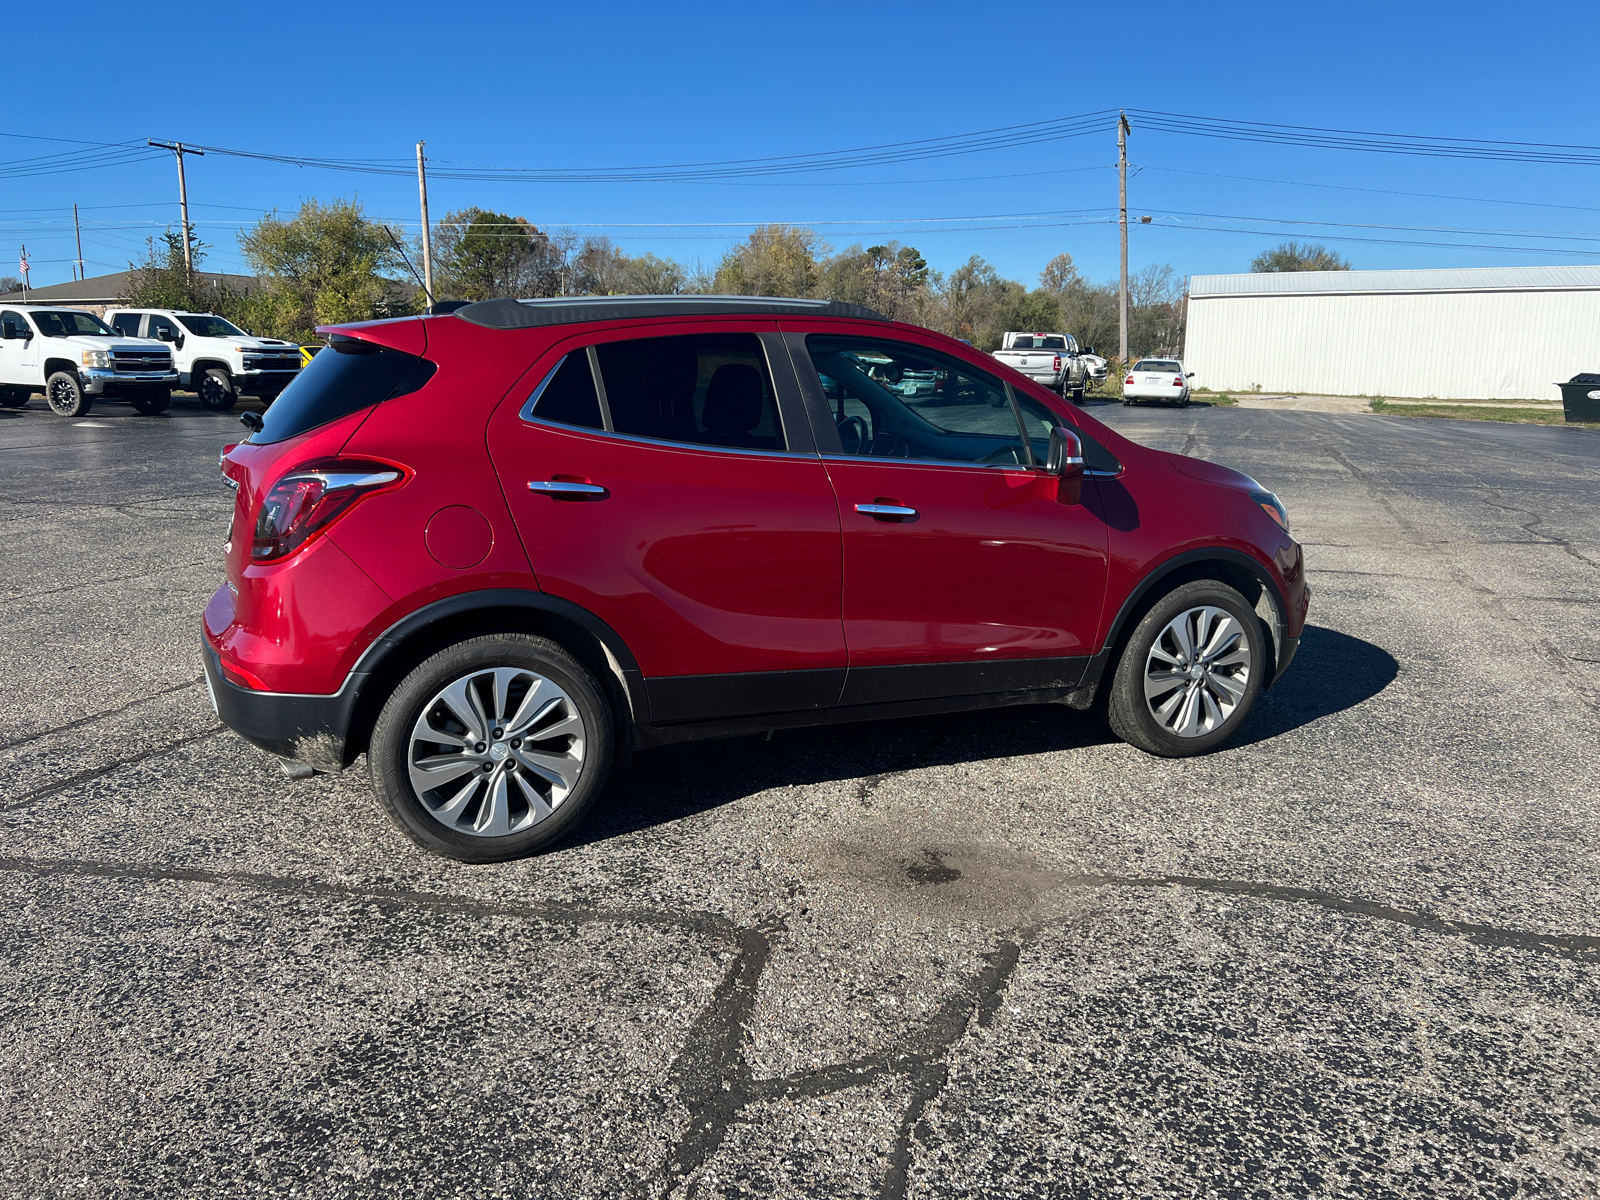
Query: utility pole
(22, 261)
(1122, 200)
(179, 149)
(427, 238)
(78, 229)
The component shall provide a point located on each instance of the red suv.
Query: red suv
(500, 549)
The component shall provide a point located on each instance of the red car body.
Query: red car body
(716, 590)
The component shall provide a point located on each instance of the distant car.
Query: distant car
(1162, 379)
(215, 359)
(1097, 366)
(75, 358)
(308, 352)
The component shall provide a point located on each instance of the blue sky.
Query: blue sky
(627, 84)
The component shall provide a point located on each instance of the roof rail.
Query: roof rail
(571, 310)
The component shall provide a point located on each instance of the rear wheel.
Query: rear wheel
(152, 402)
(216, 390)
(492, 749)
(1077, 395)
(12, 397)
(1190, 671)
(64, 392)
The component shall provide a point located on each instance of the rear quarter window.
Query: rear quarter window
(353, 375)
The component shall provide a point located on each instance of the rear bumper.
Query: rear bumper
(307, 728)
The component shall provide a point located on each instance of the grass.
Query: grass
(1476, 412)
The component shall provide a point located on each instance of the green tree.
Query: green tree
(891, 279)
(479, 255)
(1295, 256)
(326, 265)
(163, 280)
(776, 260)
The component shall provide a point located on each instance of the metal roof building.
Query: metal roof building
(1487, 333)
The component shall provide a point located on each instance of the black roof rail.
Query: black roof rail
(571, 310)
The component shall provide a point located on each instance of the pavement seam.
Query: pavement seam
(709, 924)
(13, 597)
(110, 712)
(28, 799)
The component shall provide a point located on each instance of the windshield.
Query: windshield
(1039, 343)
(209, 326)
(65, 324)
(1156, 364)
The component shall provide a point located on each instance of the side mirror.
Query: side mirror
(163, 334)
(1065, 462)
(1190, 375)
(9, 332)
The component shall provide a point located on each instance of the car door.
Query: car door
(19, 356)
(664, 478)
(963, 573)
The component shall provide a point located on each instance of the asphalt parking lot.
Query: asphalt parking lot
(1354, 953)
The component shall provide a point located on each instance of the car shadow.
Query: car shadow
(1332, 672)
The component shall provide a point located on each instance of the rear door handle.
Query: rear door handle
(566, 487)
(886, 510)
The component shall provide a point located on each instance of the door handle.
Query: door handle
(568, 488)
(886, 510)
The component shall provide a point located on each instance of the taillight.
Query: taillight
(1057, 367)
(310, 498)
(1178, 382)
(1128, 381)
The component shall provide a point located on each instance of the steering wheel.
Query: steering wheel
(1011, 454)
(887, 445)
(862, 435)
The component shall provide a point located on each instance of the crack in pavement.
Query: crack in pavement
(110, 712)
(170, 569)
(28, 799)
(709, 924)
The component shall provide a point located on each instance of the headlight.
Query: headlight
(1273, 507)
(97, 358)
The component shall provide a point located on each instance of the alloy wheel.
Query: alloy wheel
(63, 398)
(496, 751)
(1197, 671)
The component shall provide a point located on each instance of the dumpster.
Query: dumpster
(1580, 397)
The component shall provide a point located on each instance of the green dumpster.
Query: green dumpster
(1580, 397)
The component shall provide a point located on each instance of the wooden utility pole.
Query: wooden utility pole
(78, 229)
(1122, 202)
(180, 150)
(427, 238)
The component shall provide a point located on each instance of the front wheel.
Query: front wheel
(493, 748)
(64, 392)
(1077, 395)
(1190, 672)
(216, 390)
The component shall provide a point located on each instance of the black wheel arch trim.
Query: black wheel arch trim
(1283, 651)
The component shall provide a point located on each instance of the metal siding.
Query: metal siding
(1451, 345)
(1450, 279)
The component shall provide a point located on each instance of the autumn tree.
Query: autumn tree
(1297, 256)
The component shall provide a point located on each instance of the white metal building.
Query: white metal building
(1489, 333)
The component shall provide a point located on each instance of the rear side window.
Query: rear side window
(353, 375)
(126, 324)
(712, 389)
(567, 396)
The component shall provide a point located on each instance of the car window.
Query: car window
(158, 322)
(709, 389)
(205, 325)
(896, 400)
(566, 394)
(66, 323)
(14, 319)
(1155, 364)
(358, 375)
(1038, 420)
(126, 324)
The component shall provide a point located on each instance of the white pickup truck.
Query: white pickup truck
(74, 358)
(216, 359)
(1050, 359)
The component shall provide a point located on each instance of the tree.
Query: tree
(326, 265)
(163, 279)
(648, 275)
(9, 284)
(1060, 275)
(1293, 256)
(479, 255)
(776, 260)
(890, 279)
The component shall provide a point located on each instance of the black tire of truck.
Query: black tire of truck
(14, 397)
(215, 389)
(64, 392)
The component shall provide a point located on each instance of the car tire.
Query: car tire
(1077, 395)
(215, 390)
(64, 392)
(152, 402)
(1157, 702)
(13, 397)
(508, 802)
